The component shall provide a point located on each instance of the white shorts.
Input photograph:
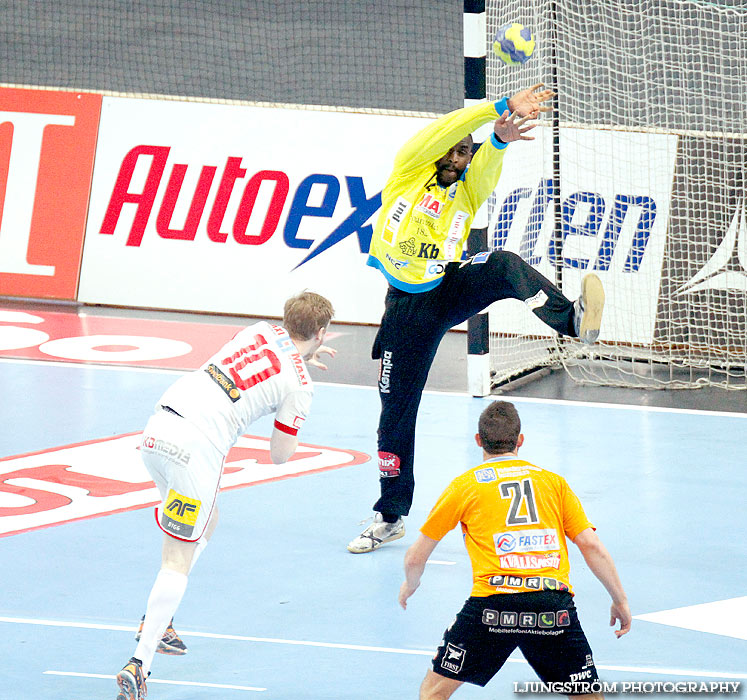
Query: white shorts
(186, 468)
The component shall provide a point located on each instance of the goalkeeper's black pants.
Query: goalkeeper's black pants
(411, 330)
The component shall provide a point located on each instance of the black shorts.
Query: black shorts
(543, 625)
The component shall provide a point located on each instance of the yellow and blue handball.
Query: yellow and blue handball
(513, 43)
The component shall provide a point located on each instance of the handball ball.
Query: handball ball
(513, 43)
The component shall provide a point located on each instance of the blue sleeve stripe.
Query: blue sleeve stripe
(501, 105)
(498, 144)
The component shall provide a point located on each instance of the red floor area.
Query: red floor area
(82, 338)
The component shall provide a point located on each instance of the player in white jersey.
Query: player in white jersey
(198, 419)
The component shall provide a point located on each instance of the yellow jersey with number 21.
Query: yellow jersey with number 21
(515, 518)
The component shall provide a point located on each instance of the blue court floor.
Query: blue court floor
(277, 609)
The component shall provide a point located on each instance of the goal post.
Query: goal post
(641, 181)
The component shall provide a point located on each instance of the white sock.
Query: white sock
(163, 601)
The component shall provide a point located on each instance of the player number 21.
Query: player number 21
(522, 498)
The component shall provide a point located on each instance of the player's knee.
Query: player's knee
(212, 524)
(177, 556)
(505, 260)
(434, 695)
(436, 687)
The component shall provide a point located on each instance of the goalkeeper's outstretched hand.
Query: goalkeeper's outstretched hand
(508, 128)
(528, 103)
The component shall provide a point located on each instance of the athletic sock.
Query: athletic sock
(390, 517)
(163, 601)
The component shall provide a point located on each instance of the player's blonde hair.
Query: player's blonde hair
(305, 313)
(499, 428)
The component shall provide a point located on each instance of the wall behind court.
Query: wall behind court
(384, 54)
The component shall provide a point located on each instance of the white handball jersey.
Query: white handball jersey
(258, 372)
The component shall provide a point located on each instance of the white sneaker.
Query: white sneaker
(376, 534)
(587, 309)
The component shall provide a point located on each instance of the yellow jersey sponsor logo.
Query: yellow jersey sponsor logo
(529, 561)
(430, 206)
(394, 220)
(433, 269)
(408, 247)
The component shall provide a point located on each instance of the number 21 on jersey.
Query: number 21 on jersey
(522, 510)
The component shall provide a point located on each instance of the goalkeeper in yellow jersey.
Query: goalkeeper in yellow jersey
(428, 203)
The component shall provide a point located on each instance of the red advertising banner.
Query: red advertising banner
(47, 147)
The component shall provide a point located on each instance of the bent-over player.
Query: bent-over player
(428, 204)
(198, 419)
(515, 518)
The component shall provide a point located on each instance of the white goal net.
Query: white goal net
(639, 175)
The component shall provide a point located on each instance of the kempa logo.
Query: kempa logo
(714, 275)
(386, 368)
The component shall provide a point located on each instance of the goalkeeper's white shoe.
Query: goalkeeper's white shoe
(588, 308)
(376, 534)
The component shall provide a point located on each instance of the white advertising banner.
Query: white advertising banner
(232, 209)
(615, 194)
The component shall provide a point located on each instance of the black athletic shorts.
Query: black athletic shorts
(543, 625)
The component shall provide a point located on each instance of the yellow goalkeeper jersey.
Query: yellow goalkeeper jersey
(515, 518)
(423, 226)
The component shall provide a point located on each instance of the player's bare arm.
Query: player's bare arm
(282, 446)
(415, 560)
(603, 567)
